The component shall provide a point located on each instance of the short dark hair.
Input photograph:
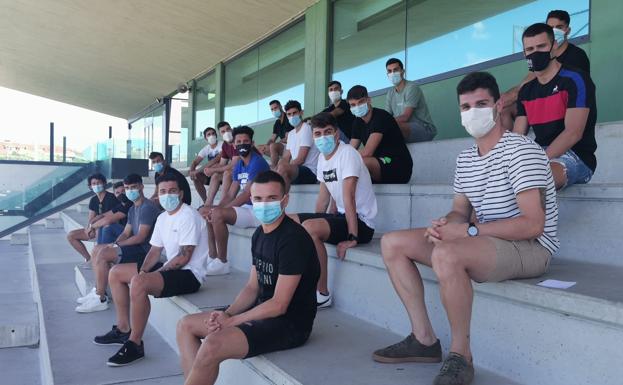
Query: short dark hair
(270, 176)
(332, 82)
(274, 101)
(154, 154)
(393, 61)
(537, 29)
(560, 15)
(207, 130)
(96, 176)
(168, 178)
(117, 185)
(476, 80)
(243, 130)
(293, 104)
(222, 123)
(133, 179)
(323, 119)
(357, 92)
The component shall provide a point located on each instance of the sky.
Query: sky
(26, 119)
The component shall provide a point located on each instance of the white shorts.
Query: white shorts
(245, 217)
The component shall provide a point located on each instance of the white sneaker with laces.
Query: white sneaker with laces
(92, 304)
(210, 260)
(323, 301)
(217, 267)
(88, 295)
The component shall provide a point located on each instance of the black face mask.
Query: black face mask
(123, 199)
(243, 149)
(538, 61)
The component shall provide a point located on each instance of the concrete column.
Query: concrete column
(317, 43)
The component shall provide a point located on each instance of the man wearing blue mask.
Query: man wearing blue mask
(278, 139)
(340, 109)
(405, 101)
(161, 167)
(130, 246)
(560, 106)
(181, 232)
(277, 307)
(235, 206)
(344, 178)
(298, 165)
(506, 181)
(384, 150)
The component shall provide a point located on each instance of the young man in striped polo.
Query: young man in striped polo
(506, 179)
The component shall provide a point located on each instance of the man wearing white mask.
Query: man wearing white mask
(182, 233)
(276, 144)
(212, 152)
(405, 101)
(340, 109)
(221, 172)
(505, 178)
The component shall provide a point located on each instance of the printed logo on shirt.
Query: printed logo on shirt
(243, 178)
(555, 90)
(265, 272)
(329, 176)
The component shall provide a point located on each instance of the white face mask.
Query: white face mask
(228, 136)
(211, 139)
(334, 96)
(478, 121)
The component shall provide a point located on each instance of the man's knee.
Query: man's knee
(314, 227)
(446, 260)
(389, 244)
(211, 351)
(183, 326)
(138, 286)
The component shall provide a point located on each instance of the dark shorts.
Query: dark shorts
(271, 335)
(178, 282)
(395, 170)
(133, 254)
(109, 234)
(339, 227)
(305, 176)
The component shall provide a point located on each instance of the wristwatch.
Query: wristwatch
(353, 237)
(472, 230)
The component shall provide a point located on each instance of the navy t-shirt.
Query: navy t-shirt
(245, 174)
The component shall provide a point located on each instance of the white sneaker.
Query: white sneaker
(88, 295)
(210, 260)
(217, 267)
(92, 304)
(323, 301)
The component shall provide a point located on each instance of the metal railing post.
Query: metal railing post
(51, 141)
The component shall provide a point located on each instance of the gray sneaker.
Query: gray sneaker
(455, 371)
(408, 350)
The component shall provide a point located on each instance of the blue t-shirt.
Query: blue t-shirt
(245, 174)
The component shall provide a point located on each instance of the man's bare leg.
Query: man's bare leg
(276, 151)
(141, 286)
(215, 183)
(373, 166)
(199, 182)
(559, 172)
(288, 171)
(119, 278)
(226, 181)
(101, 267)
(190, 330)
(75, 238)
(221, 217)
(319, 231)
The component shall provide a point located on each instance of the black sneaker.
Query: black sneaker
(455, 371)
(113, 337)
(129, 353)
(408, 350)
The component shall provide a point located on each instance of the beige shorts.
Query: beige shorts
(519, 259)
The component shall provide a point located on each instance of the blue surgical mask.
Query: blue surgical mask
(158, 167)
(169, 202)
(559, 36)
(98, 188)
(277, 113)
(267, 212)
(132, 195)
(394, 77)
(325, 144)
(294, 120)
(360, 111)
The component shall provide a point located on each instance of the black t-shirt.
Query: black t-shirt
(345, 120)
(108, 203)
(181, 181)
(288, 250)
(280, 128)
(574, 57)
(545, 106)
(393, 143)
(123, 207)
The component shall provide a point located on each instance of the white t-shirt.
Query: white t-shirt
(185, 227)
(209, 152)
(492, 182)
(344, 163)
(303, 138)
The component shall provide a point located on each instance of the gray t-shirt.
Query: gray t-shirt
(410, 96)
(145, 214)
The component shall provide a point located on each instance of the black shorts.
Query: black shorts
(133, 254)
(178, 282)
(305, 176)
(271, 335)
(395, 170)
(339, 227)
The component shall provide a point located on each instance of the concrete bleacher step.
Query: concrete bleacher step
(73, 358)
(531, 334)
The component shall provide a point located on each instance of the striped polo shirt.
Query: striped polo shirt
(492, 182)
